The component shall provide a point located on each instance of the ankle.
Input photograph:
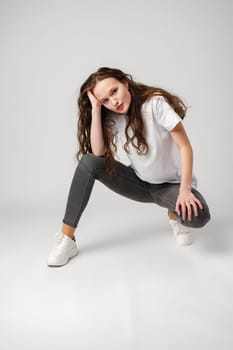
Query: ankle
(70, 236)
(171, 215)
(68, 231)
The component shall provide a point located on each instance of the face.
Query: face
(113, 95)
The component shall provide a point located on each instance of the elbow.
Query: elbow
(99, 153)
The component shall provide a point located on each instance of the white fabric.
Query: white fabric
(162, 162)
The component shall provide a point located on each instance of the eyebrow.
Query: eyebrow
(110, 90)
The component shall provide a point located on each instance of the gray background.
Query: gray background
(48, 48)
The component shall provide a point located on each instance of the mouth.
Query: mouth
(120, 107)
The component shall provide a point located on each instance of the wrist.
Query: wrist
(185, 189)
(96, 113)
(96, 108)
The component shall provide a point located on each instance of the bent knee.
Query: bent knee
(201, 220)
(92, 162)
(198, 221)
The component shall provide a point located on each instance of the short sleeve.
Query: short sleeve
(164, 113)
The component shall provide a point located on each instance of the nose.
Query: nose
(115, 101)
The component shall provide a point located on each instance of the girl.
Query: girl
(148, 122)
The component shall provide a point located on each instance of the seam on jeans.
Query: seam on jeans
(78, 216)
(87, 186)
(141, 187)
(87, 169)
(82, 207)
(165, 201)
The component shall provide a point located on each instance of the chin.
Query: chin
(125, 110)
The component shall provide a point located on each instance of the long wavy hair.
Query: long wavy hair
(139, 94)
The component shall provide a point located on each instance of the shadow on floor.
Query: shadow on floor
(128, 236)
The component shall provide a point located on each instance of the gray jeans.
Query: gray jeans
(125, 182)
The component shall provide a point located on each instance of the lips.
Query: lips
(119, 108)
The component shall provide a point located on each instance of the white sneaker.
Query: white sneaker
(65, 248)
(181, 233)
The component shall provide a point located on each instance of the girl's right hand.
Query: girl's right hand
(94, 102)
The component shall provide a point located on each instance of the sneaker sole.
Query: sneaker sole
(71, 256)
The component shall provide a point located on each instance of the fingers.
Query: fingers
(90, 94)
(178, 207)
(183, 206)
(199, 203)
(94, 101)
(186, 208)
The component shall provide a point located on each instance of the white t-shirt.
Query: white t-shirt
(162, 161)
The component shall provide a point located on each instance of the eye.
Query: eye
(105, 101)
(114, 91)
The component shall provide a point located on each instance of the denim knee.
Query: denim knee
(92, 162)
(197, 221)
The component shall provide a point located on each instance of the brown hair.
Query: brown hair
(139, 94)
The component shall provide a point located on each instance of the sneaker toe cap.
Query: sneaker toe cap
(54, 260)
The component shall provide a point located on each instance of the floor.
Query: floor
(130, 287)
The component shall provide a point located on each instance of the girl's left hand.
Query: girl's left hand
(186, 201)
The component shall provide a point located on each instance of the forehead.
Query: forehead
(102, 87)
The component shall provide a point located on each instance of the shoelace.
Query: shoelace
(60, 242)
(59, 237)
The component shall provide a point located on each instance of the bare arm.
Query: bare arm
(96, 134)
(186, 198)
(179, 136)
